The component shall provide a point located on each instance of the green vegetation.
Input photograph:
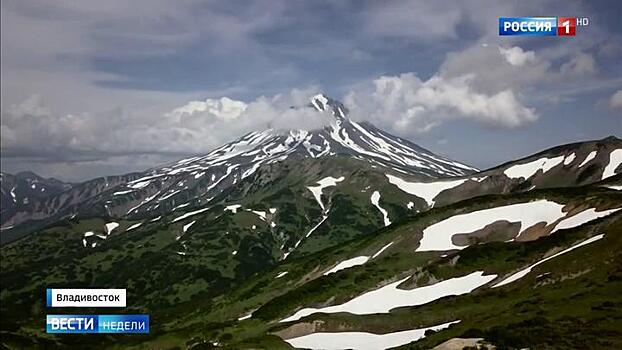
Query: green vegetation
(573, 301)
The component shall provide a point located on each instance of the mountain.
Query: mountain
(501, 268)
(25, 187)
(497, 267)
(202, 180)
(261, 242)
(569, 165)
(215, 177)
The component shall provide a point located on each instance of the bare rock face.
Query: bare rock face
(501, 230)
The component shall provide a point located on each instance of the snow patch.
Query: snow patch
(359, 260)
(362, 340)
(134, 226)
(246, 317)
(169, 195)
(138, 185)
(375, 200)
(587, 159)
(316, 226)
(233, 208)
(522, 273)
(437, 237)
(122, 192)
(261, 214)
(582, 218)
(527, 170)
(322, 184)
(569, 159)
(389, 297)
(615, 159)
(319, 102)
(190, 214)
(479, 179)
(426, 190)
(381, 250)
(187, 226)
(181, 206)
(346, 264)
(111, 226)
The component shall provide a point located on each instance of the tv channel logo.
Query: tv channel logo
(541, 26)
(67, 324)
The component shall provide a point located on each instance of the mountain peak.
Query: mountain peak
(320, 102)
(323, 103)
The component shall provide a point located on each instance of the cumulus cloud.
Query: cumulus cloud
(516, 56)
(117, 76)
(495, 68)
(482, 84)
(408, 104)
(29, 129)
(615, 102)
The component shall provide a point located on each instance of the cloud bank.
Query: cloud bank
(30, 129)
(482, 84)
(129, 84)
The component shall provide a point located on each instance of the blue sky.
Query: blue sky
(90, 88)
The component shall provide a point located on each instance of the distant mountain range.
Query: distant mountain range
(263, 241)
(24, 187)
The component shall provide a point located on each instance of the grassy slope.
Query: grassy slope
(280, 297)
(166, 284)
(203, 317)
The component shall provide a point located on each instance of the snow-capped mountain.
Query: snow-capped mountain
(207, 176)
(198, 180)
(266, 160)
(241, 158)
(236, 161)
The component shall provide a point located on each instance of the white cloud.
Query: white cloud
(223, 108)
(516, 56)
(30, 129)
(615, 102)
(405, 103)
(63, 52)
(481, 84)
(495, 68)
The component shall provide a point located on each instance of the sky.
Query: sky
(95, 88)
